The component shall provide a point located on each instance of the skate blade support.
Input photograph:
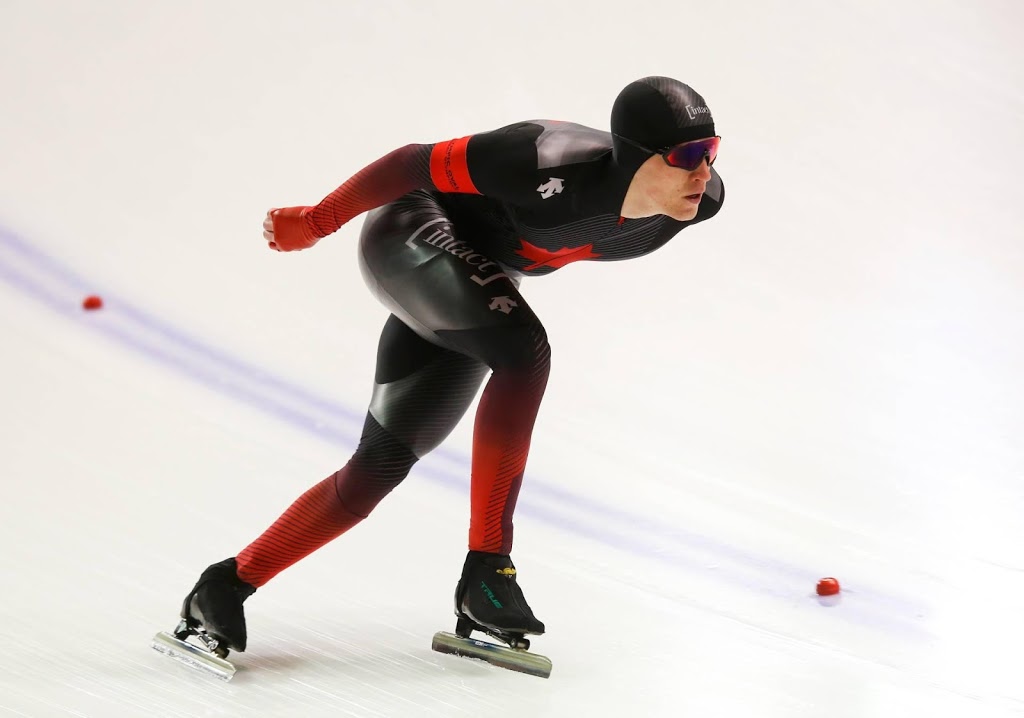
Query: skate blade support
(514, 659)
(193, 656)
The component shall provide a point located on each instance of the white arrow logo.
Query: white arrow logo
(552, 187)
(503, 304)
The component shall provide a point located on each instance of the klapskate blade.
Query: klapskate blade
(510, 658)
(193, 656)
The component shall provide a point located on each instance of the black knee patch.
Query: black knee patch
(379, 465)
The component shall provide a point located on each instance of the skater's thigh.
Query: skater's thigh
(421, 390)
(430, 277)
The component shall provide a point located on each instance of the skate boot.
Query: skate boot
(489, 596)
(212, 621)
(215, 605)
(488, 599)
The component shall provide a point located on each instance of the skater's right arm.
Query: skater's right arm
(393, 175)
(495, 160)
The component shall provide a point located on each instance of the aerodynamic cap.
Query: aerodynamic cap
(657, 112)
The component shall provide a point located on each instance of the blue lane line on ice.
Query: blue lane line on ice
(171, 333)
(243, 382)
(33, 289)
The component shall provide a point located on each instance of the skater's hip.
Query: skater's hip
(419, 265)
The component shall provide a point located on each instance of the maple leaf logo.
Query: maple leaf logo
(559, 258)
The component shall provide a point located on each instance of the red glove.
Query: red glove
(289, 229)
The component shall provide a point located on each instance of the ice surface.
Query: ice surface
(823, 381)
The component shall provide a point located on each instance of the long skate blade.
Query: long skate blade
(501, 656)
(192, 655)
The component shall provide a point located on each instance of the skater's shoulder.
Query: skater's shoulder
(553, 143)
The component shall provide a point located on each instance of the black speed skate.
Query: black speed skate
(488, 599)
(212, 621)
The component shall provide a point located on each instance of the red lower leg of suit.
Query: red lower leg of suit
(504, 423)
(501, 443)
(316, 518)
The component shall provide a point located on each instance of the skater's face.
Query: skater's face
(672, 180)
(660, 188)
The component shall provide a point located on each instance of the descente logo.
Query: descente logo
(693, 112)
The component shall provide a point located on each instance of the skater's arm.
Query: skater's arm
(500, 164)
(393, 175)
(497, 164)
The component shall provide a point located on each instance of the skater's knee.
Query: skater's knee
(525, 358)
(520, 348)
(381, 452)
(379, 464)
(524, 348)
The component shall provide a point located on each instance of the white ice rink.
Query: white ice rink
(825, 380)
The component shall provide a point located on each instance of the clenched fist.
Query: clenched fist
(288, 229)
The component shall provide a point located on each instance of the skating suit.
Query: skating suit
(454, 228)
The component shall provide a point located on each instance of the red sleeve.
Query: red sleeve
(393, 175)
(442, 166)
